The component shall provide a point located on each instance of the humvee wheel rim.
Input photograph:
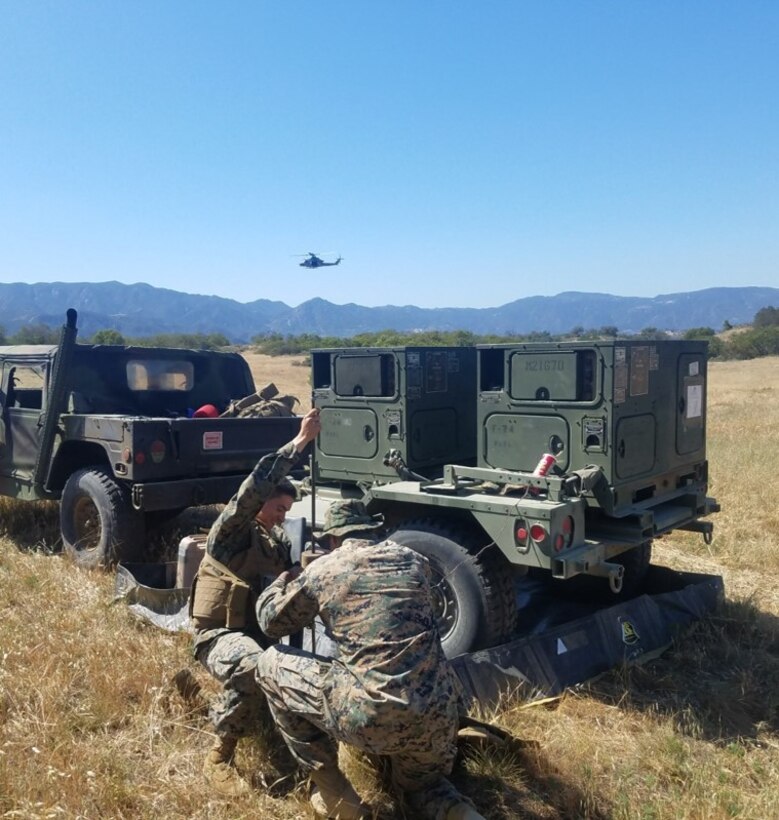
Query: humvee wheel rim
(86, 521)
(445, 606)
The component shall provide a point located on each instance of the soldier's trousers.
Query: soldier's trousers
(293, 682)
(232, 659)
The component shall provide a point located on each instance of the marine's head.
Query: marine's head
(275, 509)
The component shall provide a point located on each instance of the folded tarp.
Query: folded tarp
(150, 593)
(557, 652)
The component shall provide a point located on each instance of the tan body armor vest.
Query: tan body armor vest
(225, 596)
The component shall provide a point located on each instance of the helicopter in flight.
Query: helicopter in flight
(313, 261)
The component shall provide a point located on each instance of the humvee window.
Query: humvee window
(160, 374)
(365, 375)
(25, 387)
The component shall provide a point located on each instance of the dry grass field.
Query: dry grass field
(289, 373)
(92, 727)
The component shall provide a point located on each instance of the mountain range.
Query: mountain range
(143, 310)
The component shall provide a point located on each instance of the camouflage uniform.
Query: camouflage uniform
(241, 544)
(389, 691)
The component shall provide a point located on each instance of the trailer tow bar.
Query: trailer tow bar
(614, 572)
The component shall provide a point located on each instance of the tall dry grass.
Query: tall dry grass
(92, 727)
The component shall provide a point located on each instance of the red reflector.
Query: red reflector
(157, 450)
(140, 458)
(567, 525)
(559, 543)
(537, 532)
(521, 534)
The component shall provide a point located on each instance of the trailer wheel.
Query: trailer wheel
(473, 590)
(98, 523)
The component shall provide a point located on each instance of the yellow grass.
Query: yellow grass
(290, 374)
(91, 726)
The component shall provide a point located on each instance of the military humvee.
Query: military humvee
(445, 442)
(107, 430)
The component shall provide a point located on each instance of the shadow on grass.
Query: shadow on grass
(716, 681)
(504, 783)
(522, 782)
(33, 526)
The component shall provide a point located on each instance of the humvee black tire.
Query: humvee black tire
(473, 588)
(98, 523)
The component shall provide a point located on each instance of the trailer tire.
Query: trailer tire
(473, 588)
(98, 523)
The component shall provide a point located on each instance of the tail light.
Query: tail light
(521, 535)
(157, 451)
(538, 533)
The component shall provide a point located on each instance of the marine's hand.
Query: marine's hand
(309, 429)
(290, 574)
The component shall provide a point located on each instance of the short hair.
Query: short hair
(284, 487)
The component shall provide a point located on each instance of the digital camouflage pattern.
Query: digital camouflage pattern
(229, 538)
(389, 691)
(280, 406)
(245, 547)
(263, 403)
(348, 516)
(232, 657)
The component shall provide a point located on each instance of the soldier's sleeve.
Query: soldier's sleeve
(283, 546)
(235, 520)
(286, 607)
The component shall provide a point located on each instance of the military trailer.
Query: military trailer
(451, 446)
(109, 432)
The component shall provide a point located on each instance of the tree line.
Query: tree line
(41, 334)
(759, 339)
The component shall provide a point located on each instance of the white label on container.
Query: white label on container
(694, 370)
(694, 401)
(212, 440)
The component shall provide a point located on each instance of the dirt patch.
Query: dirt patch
(291, 374)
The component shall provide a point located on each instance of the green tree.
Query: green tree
(699, 333)
(107, 336)
(652, 333)
(35, 335)
(766, 317)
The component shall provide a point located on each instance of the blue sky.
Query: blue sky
(455, 154)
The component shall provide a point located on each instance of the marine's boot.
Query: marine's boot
(463, 811)
(334, 797)
(219, 768)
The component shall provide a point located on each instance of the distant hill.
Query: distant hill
(142, 310)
